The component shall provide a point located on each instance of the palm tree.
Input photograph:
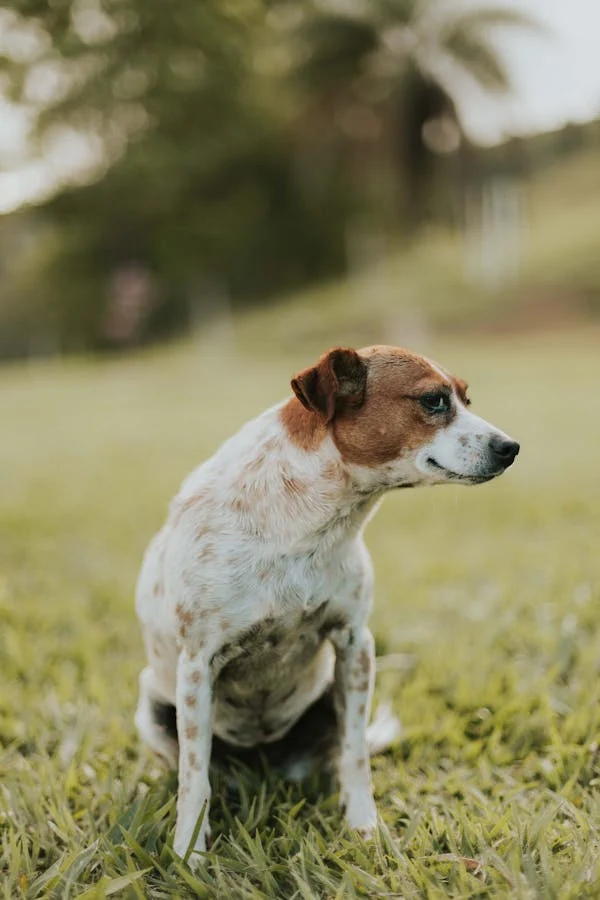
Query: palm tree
(394, 71)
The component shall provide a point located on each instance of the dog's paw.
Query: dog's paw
(360, 813)
(182, 842)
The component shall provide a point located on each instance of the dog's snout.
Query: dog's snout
(503, 450)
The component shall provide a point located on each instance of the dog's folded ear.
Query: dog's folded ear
(337, 382)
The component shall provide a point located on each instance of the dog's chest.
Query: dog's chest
(266, 673)
(277, 644)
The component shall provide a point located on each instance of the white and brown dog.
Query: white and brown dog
(255, 596)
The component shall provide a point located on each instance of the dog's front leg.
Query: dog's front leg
(194, 727)
(354, 675)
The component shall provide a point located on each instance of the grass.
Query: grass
(491, 593)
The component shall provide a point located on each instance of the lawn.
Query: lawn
(487, 610)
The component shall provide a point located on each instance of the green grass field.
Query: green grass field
(489, 595)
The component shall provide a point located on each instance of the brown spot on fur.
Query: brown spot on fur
(190, 700)
(305, 429)
(180, 506)
(191, 732)
(202, 531)
(271, 444)
(239, 504)
(225, 624)
(206, 552)
(196, 676)
(254, 465)
(182, 631)
(158, 589)
(193, 760)
(293, 486)
(361, 709)
(185, 616)
(361, 763)
(332, 471)
(364, 661)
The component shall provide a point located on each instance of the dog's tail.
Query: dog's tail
(384, 731)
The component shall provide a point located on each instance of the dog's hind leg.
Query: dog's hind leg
(312, 743)
(156, 720)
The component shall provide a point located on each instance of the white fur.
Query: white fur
(261, 533)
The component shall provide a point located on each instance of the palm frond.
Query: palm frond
(493, 17)
(478, 58)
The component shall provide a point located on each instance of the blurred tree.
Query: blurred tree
(391, 72)
(207, 169)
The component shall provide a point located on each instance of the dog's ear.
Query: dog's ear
(338, 381)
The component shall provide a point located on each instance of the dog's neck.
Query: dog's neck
(300, 497)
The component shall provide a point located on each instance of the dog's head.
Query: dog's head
(390, 410)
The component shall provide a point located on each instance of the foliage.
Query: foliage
(230, 146)
(491, 592)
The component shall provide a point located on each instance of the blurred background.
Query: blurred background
(432, 163)
(198, 198)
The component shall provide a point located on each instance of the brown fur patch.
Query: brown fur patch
(391, 420)
(191, 732)
(190, 700)
(254, 465)
(461, 389)
(380, 423)
(271, 444)
(185, 616)
(364, 662)
(180, 507)
(332, 471)
(196, 676)
(206, 552)
(305, 429)
(337, 382)
(293, 486)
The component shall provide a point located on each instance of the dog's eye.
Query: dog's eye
(435, 402)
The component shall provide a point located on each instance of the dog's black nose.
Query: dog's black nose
(503, 451)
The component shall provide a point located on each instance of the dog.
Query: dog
(254, 598)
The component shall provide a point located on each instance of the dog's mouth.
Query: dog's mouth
(464, 479)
